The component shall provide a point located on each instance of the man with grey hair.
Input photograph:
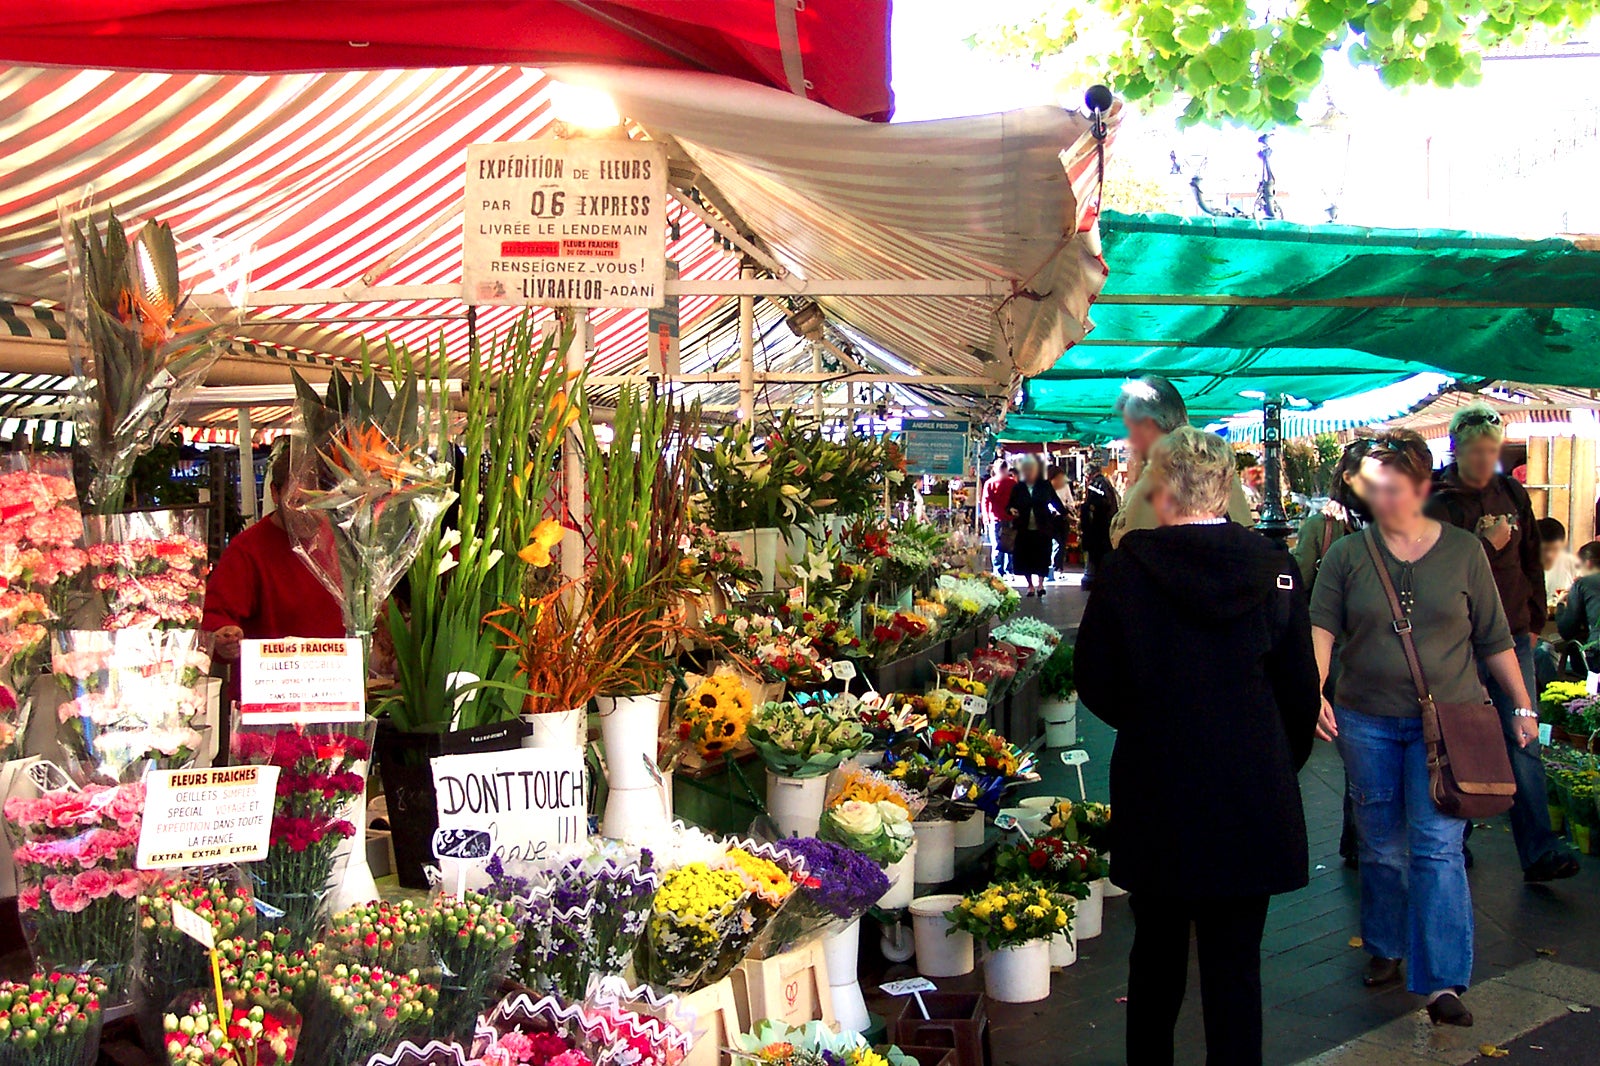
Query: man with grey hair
(1151, 407)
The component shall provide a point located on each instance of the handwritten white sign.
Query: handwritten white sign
(566, 223)
(205, 817)
(193, 926)
(298, 680)
(532, 800)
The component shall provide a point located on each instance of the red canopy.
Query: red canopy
(832, 51)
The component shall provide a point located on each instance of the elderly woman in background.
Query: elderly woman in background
(1034, 509)
(1150, 408)
(1415, 903)
(1472, 494)
(1243, 695)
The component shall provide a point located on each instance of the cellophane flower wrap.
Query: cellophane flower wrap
(948, 792)
(77, 888)
(254, 1036)
(612, 1025)
(353, 1012)
(878, 829)
(839, 885)
(988, 757)
(774, 1043)
(321, 788)
(41, 553)
(581, 915)
(138, 344)
(773, 651)
(137, 700)
(527, 1031)
(808, 741)
(148, 568)
(367, 486)
(170, 962)
(51, 1019)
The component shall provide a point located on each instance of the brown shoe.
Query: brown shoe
(1449, 1010)
(1381, 972)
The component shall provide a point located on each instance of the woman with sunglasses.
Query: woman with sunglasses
(1472, 494)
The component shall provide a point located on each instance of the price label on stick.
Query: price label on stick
(973, 706)
(193, 926)
(908, 986)
(844, 670)
(1077, 758)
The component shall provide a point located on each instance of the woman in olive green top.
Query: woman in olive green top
(1415, 903)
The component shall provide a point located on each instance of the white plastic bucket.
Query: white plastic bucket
(638, 815)
(630, 726)
(1018, 975)
(840, 951)
(557, 729)
(795, 803)
(1112, 891)
(936, 851)
(1063, 950)
(1060, 718)
(1091, 912)
(902, 876)
(939, 955)
(969, 834)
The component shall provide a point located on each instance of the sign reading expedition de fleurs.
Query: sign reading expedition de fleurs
(566, 223)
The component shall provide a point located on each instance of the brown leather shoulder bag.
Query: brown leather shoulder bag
(1469, 768)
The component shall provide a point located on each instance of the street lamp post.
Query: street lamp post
(1274, 520)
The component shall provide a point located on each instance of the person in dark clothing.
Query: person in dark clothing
(1100, 506)
(1579, 618)
(1033, 508)
(1061, 527)
(1246, 698)
(1472, 494)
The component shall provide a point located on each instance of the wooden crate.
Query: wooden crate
(791, 988)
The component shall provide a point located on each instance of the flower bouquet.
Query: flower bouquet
(1008, 914)
(715, 563)
(77, 887)
(148, 568)
(320, 789)
(253, 1037)
(715, 712)
(879, 830)
(773, 1043)
(268, 972)
(841, 883)
(769, 649)
(581, 916)
(472, 942)
(606, 1027)
(1084, 821)
(139, 348)
(891, 720)
(171, 962)
(354, 1012)
(50, 1020)
(949, 793)
(367, 486)
(138, 700)
(1064, 865)
(796, 741)
(393, 934)
(744, 483)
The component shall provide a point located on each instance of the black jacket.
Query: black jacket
(1040, 497)
(1196, 647)
(1518, 569)
(1100, 505)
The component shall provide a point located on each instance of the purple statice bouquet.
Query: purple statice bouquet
(839, 886)
(581, 915)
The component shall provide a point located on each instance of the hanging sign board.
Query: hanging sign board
(566, 223)
(301, 681)
(936, 446)
(206, 817)
(531, 801)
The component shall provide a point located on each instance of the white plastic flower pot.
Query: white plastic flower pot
(1112, 891)
(769, 553)
(1063, 950)
(969, 834)
(557, 729)
(902, 876)
(840, 953)
(638, 815)
(1091, 912)
(936, 851)
(938, 954)
(1060, 718)
(630, 727)
(1018, 975)
(1039, 803)
(795, 803)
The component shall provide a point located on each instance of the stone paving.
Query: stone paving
(1538, 951)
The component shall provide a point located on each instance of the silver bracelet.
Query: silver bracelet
(1523, 712)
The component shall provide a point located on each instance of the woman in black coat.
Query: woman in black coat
(1034, 508)
(1206, 811)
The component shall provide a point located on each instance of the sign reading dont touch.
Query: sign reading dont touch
(566, 223)
(532, 801)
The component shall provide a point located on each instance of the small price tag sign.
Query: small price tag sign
(1007, 822)
(973, 706)
(908, 986)
(1077, 758)
(844, 670)
(193, 926)
(797, 596)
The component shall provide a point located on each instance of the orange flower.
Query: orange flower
(565, 412)
(546, 535)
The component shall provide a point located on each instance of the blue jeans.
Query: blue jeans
(1415, 903)
(1530, 812)
(1002, 558)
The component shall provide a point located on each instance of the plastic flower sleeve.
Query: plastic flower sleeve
(548, 1031)
(320, 789)
(62, 1014)
(171, 963)
(472, 944)
(353, 1012)
(366, 488)
(139, 344)
(137, 700)
(839, 885)
(147, 569)
(77, 888)
(635, 1027)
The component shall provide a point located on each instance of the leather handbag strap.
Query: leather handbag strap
(1402, 624)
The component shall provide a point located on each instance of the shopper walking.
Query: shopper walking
(1061, 527)
(1415, 903)
(1473, 495)
(1150, 408)
(1242, 696)
(1033, 509)
(996, 498)
(1100, 504)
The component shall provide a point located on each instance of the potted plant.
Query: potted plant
(800, 747)
(1058, 708)
(1014, 921)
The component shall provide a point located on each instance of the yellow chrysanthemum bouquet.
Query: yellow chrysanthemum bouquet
(1008, 914)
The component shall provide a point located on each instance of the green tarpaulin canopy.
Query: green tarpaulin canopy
(1224, 306)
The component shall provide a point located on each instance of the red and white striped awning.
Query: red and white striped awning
(347, 180)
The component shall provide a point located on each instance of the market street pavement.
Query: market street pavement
(1538, 949)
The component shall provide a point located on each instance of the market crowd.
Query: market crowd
(1409, 625)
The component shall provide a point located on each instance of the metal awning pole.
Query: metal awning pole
(572, 552)
(247, 466)
(747, 351)
(816, 368)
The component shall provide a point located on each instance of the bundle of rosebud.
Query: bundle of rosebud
(50, 1020)
(265, 973)
(352, 1012)
(169, 961)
